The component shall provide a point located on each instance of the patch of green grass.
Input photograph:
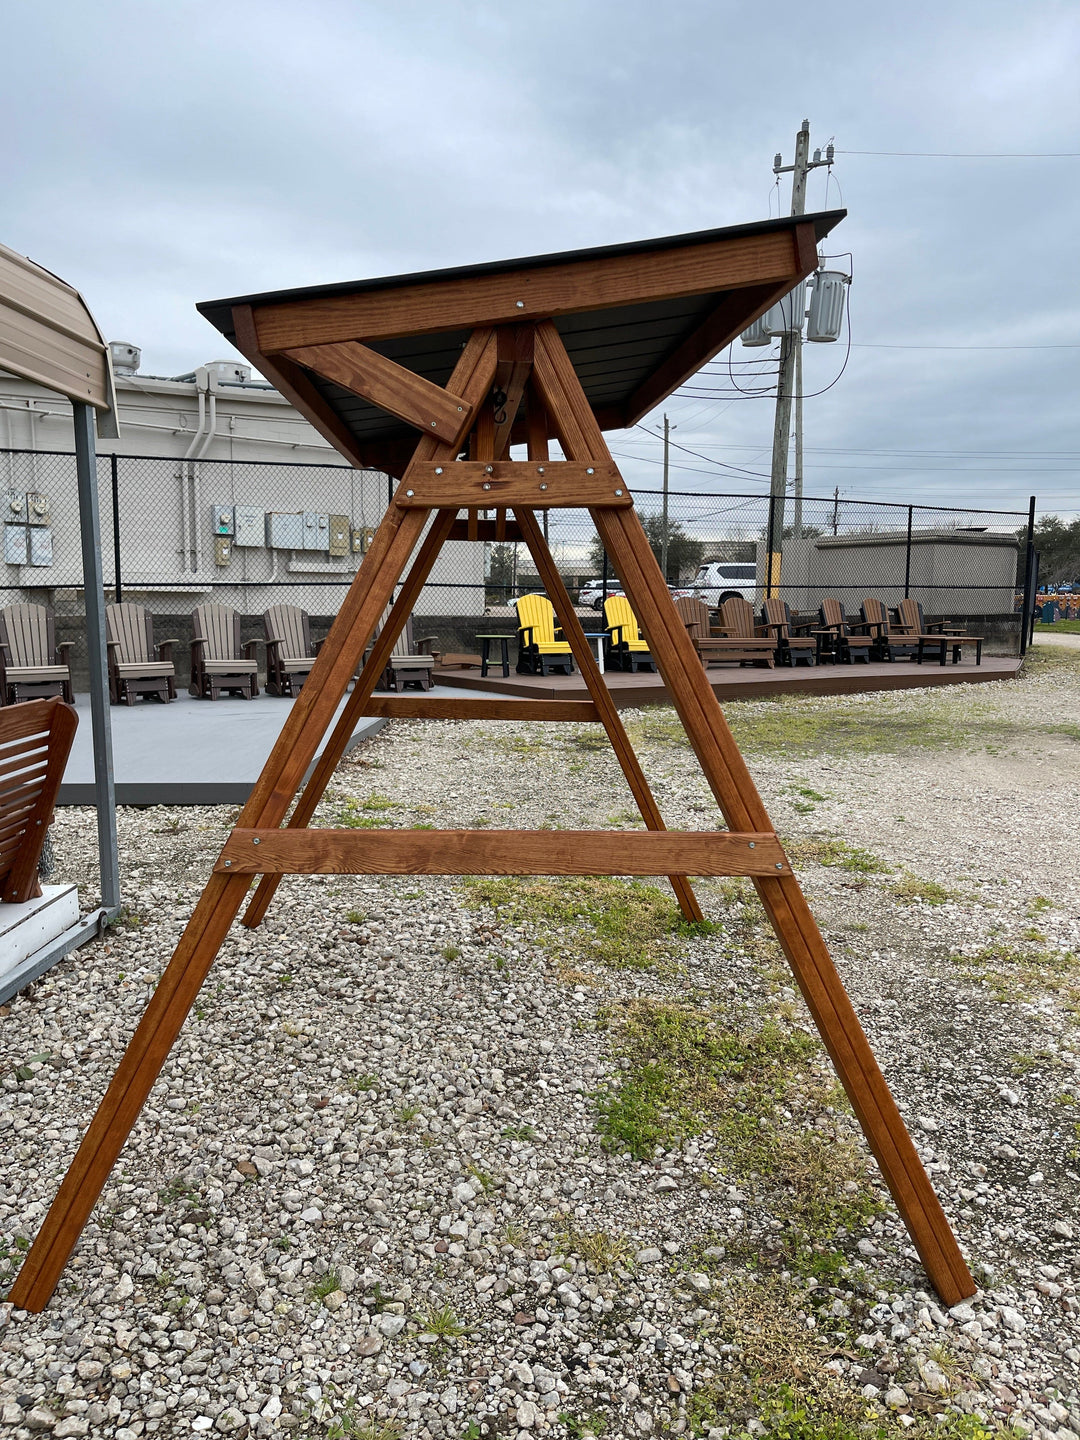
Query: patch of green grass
(806, 799)
(910, 888)
(359, 1083)
(355, 917)
(1062, 627)
(1037, 904)
(518, 1132)
(833, 853)
(580, 1427)
(598, 1248)
(1014, 972)
(407, 1114)
(451, 952)
(324, 1285)
(689, 1073)
(442, 1321)
(622, 924)
(369, 813)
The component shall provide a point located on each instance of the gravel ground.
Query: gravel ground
(380, 1190)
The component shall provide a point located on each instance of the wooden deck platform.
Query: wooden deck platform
(730, 682)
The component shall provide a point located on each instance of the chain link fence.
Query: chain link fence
(176, 533)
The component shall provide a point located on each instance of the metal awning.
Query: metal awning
(637, 321)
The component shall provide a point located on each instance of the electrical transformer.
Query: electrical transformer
(826, 306)
(756, 334)
(786, 315)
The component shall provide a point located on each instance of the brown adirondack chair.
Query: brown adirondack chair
(938, 635)
(218, 660)
(792, 641)
(35, 740)
(837, 638)
(409, 663)
(133, 668)
(735, 641)
(887, 645)
(31, 663)
(290, 653)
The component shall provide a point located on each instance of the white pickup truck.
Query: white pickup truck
(717, 582)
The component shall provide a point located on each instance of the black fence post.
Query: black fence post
(603, 582)
(769, 549)
(1030, 571)
(114, 470)
(907, 557)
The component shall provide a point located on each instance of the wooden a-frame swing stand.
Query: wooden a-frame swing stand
(526, 361)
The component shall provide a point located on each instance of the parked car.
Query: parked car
(591, 594)
(723, 579)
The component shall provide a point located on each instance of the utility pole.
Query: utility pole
(790, 352)
(836, 509)
(796, 528)
(664, 517)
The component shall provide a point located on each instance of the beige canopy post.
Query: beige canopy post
(48, 335)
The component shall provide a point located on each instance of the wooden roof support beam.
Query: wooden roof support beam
(590, 283)
(390, 387)
(299, 389)
(511, 376)
(485, 485)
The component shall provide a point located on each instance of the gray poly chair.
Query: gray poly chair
(218, 661)
(289, 651)
(32, 665)
(136, 667)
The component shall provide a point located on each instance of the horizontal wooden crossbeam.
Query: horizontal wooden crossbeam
(483, 707)
(500, 852)
(390, 386)
(486, 530)
(554, 484)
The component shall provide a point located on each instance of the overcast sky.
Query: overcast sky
(160, 154)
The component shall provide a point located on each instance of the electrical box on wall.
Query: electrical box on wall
(358, 546)
(339, 535)
(15, 551)
(284, 531)
(41, 551)
(37, 509)
(222, 519)
(316, 531)
(16, 506)
(250, 526)
(222, 549)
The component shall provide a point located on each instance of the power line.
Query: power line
(971, 154)
(877, 345)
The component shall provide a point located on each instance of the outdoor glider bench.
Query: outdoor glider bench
(219, 662)
(472, 361)
(290, 653)
(135, 666)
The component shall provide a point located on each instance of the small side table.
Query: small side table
(598, 636)
(485, 652)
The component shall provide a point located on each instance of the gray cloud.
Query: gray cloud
(167, 154)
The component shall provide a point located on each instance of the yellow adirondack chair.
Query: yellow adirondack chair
(628, 648)
(538, 649)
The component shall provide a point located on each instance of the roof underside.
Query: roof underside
(631, 341)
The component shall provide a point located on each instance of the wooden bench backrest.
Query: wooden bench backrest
(911, 617)
(28, 632)
(776, 613)
(131, 627)
(694, 614)
(619, 611)
(874, 613)
(35, 738)
(832, 613)
(290, 625)
(737, 615)
(538, 613)
(219, 626)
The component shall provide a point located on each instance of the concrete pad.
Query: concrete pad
(191, 752)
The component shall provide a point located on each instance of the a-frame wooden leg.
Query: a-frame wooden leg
(356, 704)
(601, 695)
(724, 768)
(217, 908)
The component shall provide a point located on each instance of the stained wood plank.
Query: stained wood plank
(585, 284)
(556, 484)
(390, 386)
(499, 852)
(433, 707)
(485, 530)
(727, 774)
